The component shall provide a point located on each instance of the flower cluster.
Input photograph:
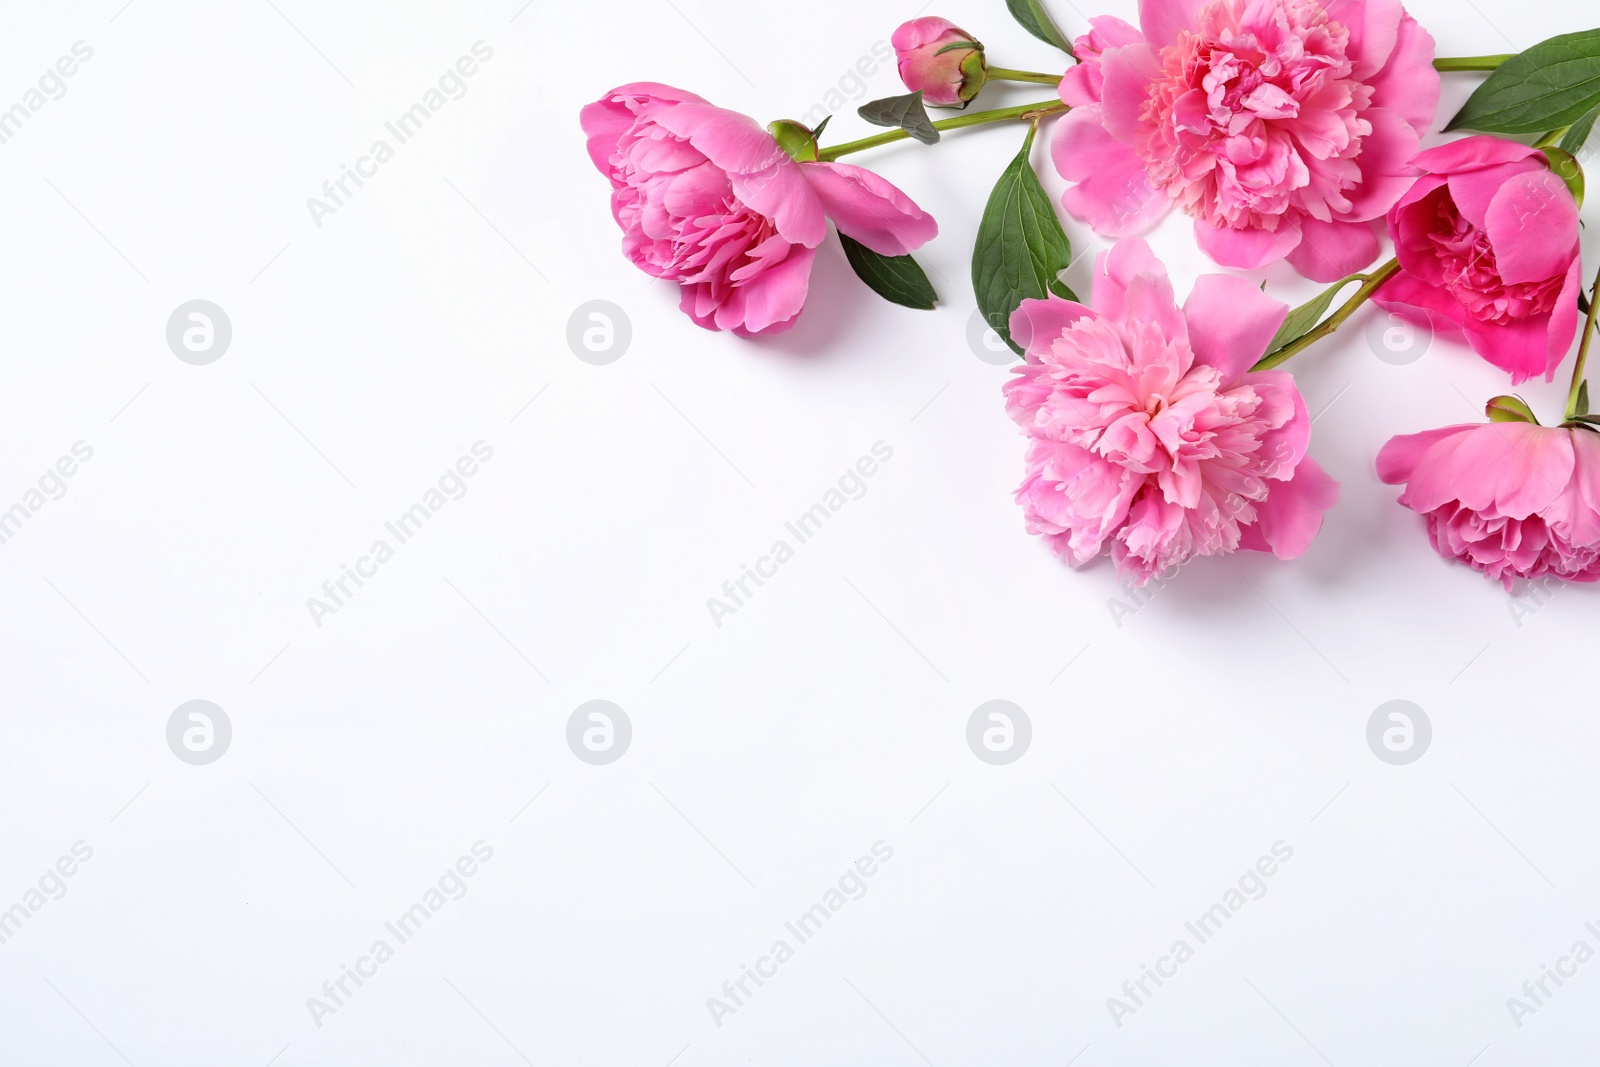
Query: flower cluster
(1286, 131)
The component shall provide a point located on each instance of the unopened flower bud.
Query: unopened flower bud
(942, 60)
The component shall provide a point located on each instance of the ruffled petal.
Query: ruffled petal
(869, 209)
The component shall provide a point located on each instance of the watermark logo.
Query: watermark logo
(1399, 732)
(999, 732)
(1396, 339)
(199, 332)
(599, 732)
(199, 732)
(599, 332)
(850, 886)
(986, 344)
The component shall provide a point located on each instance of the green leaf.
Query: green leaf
(1303, 319)
(1577, 134)
(902, 112)
(898, 279)
(1567, 168)
(1021, 249)
(1551, 85)
(1583, 399)
(1583, 304)
(1037, 21)
(1509, 409)
(816, 134)
(954, 46)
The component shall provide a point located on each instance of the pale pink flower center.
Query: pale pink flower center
(1256, 116)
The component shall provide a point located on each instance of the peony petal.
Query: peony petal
(1532, 224)
(920, 32)
(762, 174)
(1112, 194)
(1290, 517)
(1422, 303)
(1127, 73)
(1231, 322)
(1579, 510)
(1037, 323)
(1408, 85)
(1474, 190)
(1520, 347)
(1386, 168)
(1374, 28)
(1114, 269)
(1329, 251)
(1081, 84)
(1471, 153)
(1398, 458)
(869, 209)
(1564, 318)
(1163, 20)
(1247, 249)
(770, 302)
(1500, 469)
(607, 119)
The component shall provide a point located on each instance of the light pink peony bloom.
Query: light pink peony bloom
(950, 79)
(1148, 430)
(1488, 246)
(1283, 127)
(1510, 499)
(706, 198)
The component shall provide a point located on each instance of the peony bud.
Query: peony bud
(796, 138)
(942, 60)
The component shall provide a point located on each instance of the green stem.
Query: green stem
(1472, 62)
(1006, 75)
(1583, 352)
(1037, 109)
(1552, 138)
(1369, 285)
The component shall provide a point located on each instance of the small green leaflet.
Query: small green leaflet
(1021, 249)
(1552, 85)
(1037, 21)
(1509, 409)
(902, 112)
(898, 279)
(1577, 134)
(1567, 168)
(1303, 319)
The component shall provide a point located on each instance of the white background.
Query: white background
(768, 754)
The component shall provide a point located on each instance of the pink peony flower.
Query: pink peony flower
(706, 198)
(1148, 430)
(1510, 499)
(1488, 246)
(947, 79)
(1283, 127)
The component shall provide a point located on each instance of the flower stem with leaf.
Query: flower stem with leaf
(1030, 112)
(1578, 379)
(1294, 346)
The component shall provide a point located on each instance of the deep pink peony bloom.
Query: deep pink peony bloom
(1510, 499)
(1148, 430)
(950, 79)
(1283, 127)
(1488, 246)
(706, 198)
